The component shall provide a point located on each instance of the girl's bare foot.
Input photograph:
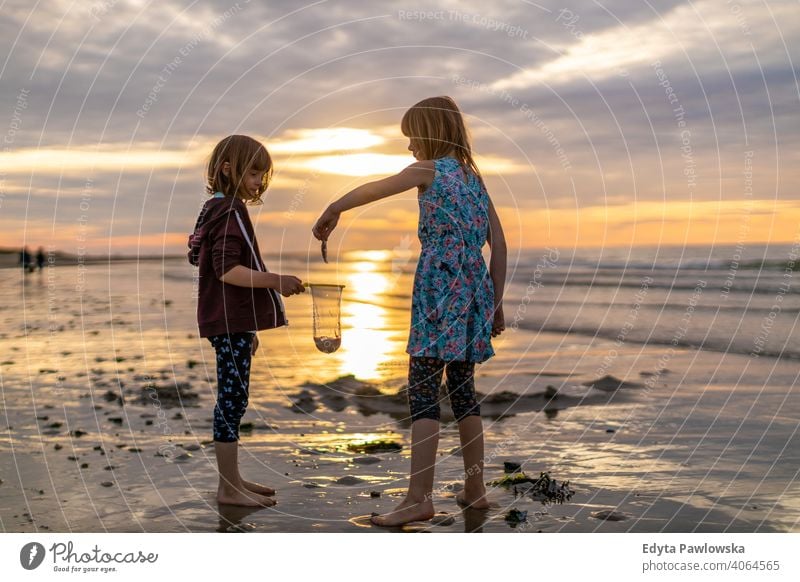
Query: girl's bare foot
(473, 501)
(243, 497)
(258, 488)
(406, 512)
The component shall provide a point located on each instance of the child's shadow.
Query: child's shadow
(231, 518)
(474, 519)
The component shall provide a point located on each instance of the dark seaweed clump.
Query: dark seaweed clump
(544, 488)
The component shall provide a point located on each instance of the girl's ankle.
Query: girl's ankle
(474, 487)
(419, 497)
(226, 487)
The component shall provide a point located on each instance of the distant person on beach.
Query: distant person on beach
(25, 260)
(40, 259)
(237, 297)
(456, 305)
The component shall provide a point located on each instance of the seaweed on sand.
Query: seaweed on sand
(544, 488)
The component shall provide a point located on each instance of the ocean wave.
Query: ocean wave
(707, 344)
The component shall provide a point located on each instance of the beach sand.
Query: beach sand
(95, 437)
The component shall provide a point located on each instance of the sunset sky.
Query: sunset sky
(595, 123)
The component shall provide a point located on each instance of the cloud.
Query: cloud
(689, 30)
(324, 85)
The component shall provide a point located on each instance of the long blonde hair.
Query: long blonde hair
(244, 154)
(436, 126)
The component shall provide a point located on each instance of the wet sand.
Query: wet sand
(96, 437)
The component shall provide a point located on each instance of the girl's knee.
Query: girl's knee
(430, 412)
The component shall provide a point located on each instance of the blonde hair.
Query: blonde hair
(435, 125)
(243, 153)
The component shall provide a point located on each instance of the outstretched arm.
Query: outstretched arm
(497, 267)
(417, 174)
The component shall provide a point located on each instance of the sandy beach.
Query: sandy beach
(108, 395)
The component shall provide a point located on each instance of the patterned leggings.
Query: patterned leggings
(233, 378)
(424, 380)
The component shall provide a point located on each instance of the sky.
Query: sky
(611, 123)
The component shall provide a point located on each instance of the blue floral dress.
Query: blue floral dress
(452, 305)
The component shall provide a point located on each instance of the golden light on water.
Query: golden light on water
(365, 322)
(375, 255)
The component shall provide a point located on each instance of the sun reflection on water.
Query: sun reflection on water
(368, 342)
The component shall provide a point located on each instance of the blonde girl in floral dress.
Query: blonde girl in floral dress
(456, 304)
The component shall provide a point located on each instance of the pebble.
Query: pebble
(349, 480)
(516, 516)
(192, 447)
(443, 519)
(107, 484)
(58, 447)
(366, 460)
(609, 515)
(374, 493)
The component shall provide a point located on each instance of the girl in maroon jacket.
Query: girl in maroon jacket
(237, 297)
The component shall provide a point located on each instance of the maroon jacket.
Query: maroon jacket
(222, 239)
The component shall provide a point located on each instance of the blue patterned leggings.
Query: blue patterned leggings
(425, 379)
(233, 379)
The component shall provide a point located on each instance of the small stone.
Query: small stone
(609, 515)
(107, 484)
(443, 519)
(515, 516)
(374, 493)
(192, 447)
(349, 480)
(84, 465)
(58, 447)
(366, 460)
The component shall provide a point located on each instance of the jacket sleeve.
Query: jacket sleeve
(227, 243)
